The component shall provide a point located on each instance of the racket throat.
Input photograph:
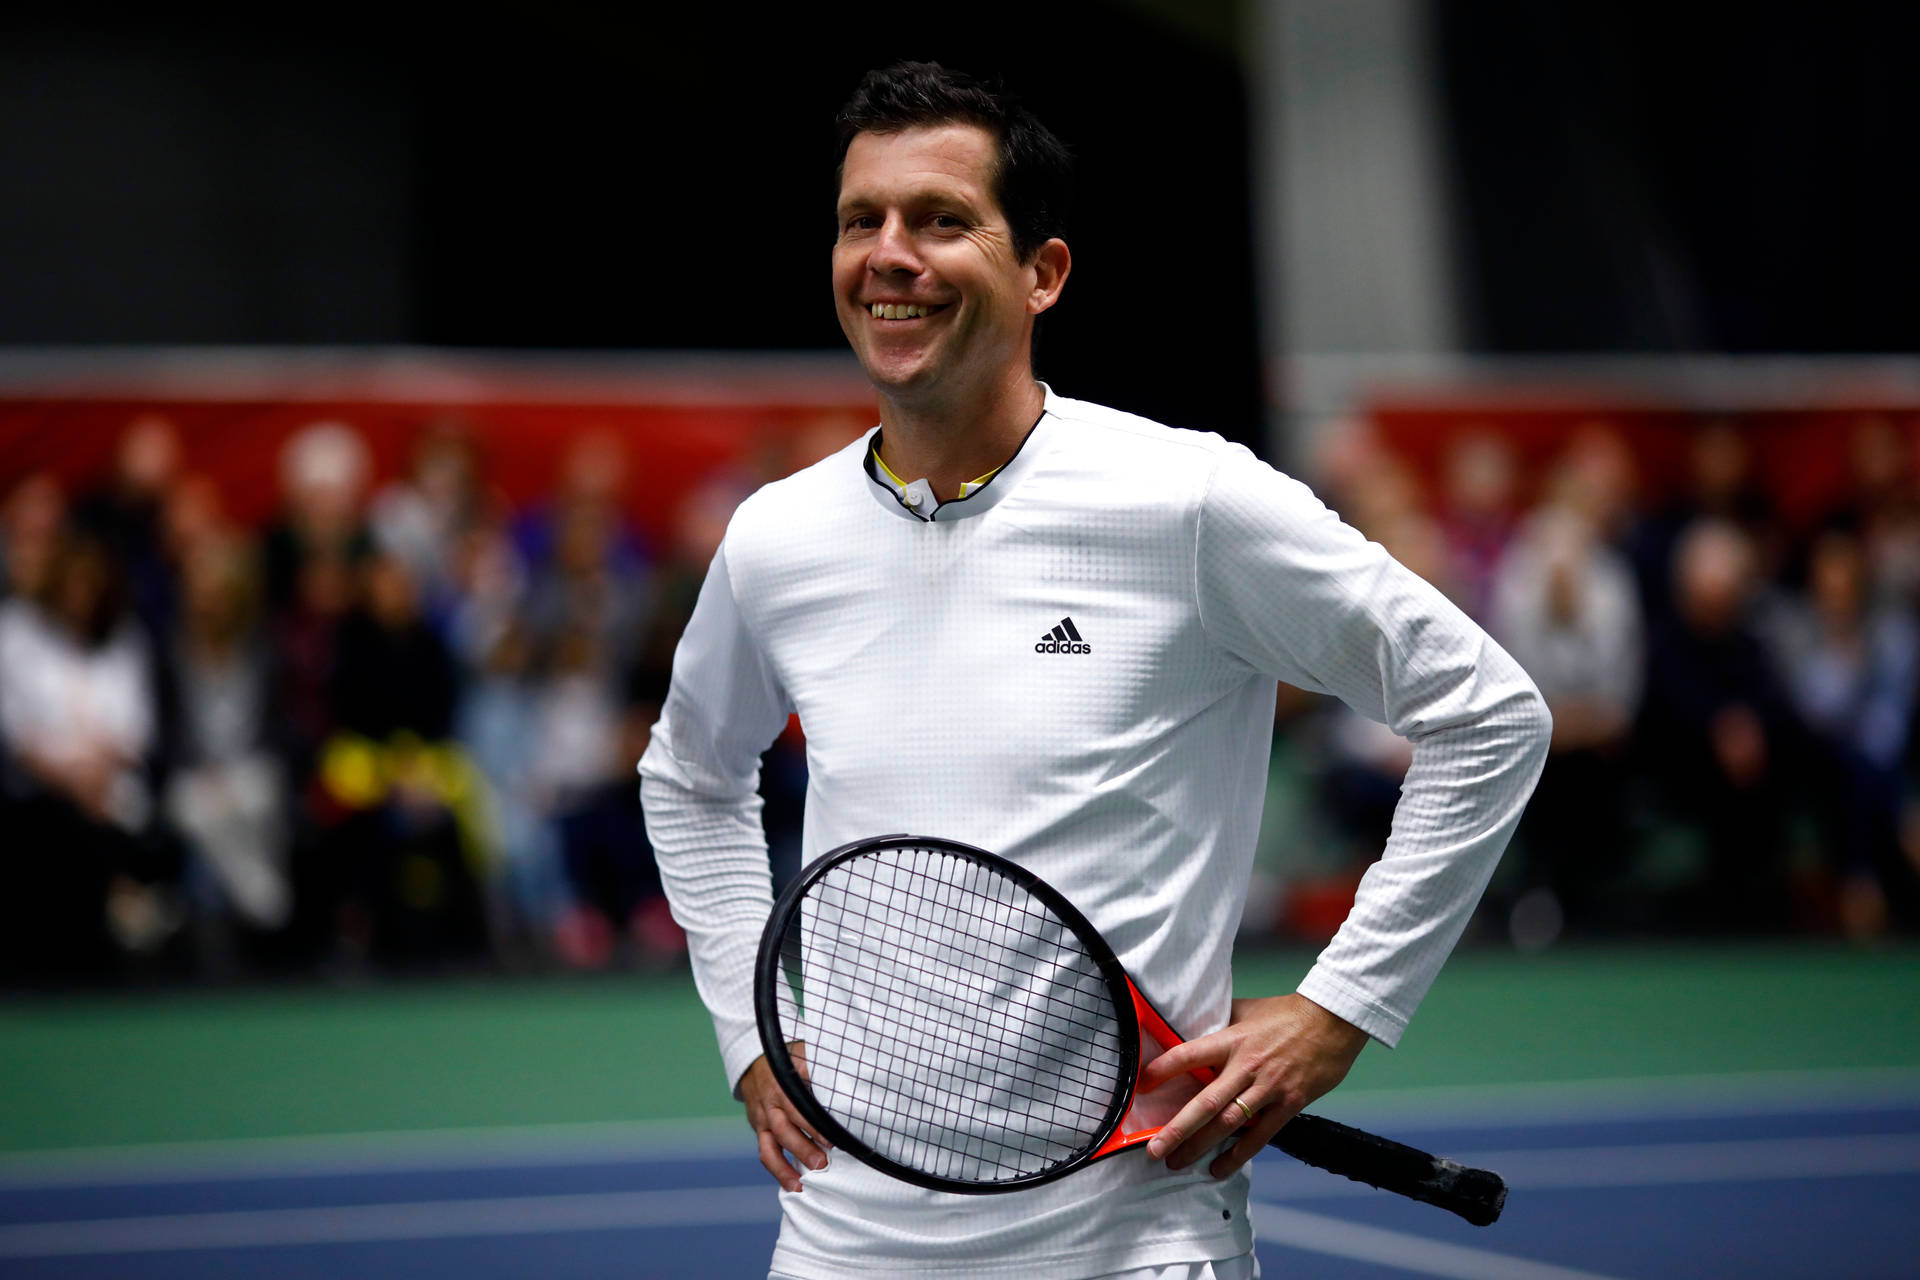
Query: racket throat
(1149, 1112)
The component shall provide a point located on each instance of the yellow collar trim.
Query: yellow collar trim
(968, 487)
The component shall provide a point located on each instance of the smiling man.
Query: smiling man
(1053, 630)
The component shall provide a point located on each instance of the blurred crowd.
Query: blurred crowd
(396, 726)
(1733, 694)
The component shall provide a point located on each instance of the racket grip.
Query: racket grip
(1477, 1195)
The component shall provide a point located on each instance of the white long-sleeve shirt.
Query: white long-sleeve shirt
(919, 646)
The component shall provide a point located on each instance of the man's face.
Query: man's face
(923, 240)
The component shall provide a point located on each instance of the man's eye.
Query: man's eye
(947, 222)
(862, 222)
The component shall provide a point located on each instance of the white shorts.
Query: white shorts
(1244, 1267)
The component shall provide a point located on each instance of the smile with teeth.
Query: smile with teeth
(900, 310)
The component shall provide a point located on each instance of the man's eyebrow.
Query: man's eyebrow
(917, 198)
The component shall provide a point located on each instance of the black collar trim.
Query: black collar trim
(870, 465)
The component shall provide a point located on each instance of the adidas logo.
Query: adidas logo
(1064, 638)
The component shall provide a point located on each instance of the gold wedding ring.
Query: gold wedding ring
(1245, 1110)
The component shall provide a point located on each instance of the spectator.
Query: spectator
(32, 521)
(1478, 515)
(323, 477)
(1882, 507)
(126, 512)
(1721, 486)
(589, 497)
(1566, 608)
(96, 872)
(404, 847)
(425, 516)
(226, 791)
(498, 726)
(1717, 732)
(1851, 668)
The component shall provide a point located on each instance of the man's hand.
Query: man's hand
(777, 1125)
(1275, 1055)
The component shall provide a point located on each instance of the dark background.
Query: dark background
(1685, 177)
(575, 178)
(1624, 177)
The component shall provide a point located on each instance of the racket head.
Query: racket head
(966, 1028)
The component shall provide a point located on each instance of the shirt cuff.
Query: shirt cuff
(1342, 999)
(738, 1052)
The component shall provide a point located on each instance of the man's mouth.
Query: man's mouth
(902, 310)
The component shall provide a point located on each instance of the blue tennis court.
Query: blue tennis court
(1785, 1174)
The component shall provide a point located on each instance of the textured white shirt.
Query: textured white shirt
(1127, 769)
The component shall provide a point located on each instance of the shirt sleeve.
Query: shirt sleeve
(699, 788)
(1285, 586)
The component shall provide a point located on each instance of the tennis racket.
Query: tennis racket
(966, 1029)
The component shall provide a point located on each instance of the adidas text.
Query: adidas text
(1062, 646)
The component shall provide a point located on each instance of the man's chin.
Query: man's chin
(899, 379)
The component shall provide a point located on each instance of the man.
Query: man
(900, 596)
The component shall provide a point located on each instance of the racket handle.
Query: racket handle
(1477, 1195)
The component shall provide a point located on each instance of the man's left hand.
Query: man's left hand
(1275, 1056)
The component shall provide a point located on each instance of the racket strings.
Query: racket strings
(906, 982)
(953, 1023)
(1067, 990)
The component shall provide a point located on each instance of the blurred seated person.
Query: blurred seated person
(496, 724)
(1566, 608)
(1882, 507)
(323, 478)
(126, 510)
(588, 504)
(591, 726)
(427, 514)
(1851, 666)
(91, 875)
(226, 791)
(1477, 515)
(404, 848)
(1720, 485)
(1718, 733)
(33, 520)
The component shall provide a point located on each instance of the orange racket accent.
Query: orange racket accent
(1131, 1131)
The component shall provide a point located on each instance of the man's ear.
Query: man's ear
(1051, 263)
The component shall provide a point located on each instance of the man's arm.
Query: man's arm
(700, 792)
(1289, 589)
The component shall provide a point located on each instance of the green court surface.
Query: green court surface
(188, 1066)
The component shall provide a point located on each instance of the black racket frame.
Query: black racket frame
(779, 945)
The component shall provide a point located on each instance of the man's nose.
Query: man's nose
(893, 249)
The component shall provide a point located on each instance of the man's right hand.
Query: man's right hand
(777, 1125)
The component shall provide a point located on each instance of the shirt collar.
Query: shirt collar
(914, 499)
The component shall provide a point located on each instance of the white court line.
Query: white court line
(424, 1220)
(1707, 1096)
(1316, 1233)
(1648, 1165)
(1389, 1110)
(408, 1150)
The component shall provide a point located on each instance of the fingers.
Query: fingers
(779, 1136)
(1278, 1054)
(782, 1140)
(775, 1161)
(1197, 1054)
(1204, 1121)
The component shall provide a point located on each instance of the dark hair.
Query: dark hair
(1033, 178)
